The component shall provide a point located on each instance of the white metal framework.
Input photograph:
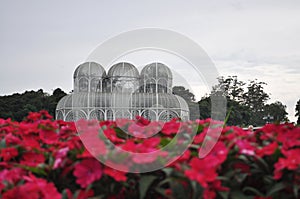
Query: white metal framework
(122, 93)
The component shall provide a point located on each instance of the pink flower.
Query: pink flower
(245, 147)
(59, 157)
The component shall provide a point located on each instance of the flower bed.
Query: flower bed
(42, 158)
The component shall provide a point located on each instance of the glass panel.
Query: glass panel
(83, 85)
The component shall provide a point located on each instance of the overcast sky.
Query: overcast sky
(42, 42)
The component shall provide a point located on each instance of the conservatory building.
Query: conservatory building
(122, 92)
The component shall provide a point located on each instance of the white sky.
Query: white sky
(41, 43)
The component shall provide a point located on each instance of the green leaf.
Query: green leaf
(145, 183)
(227, 116)
(263, 163)
(276, 188)
(197, 190)
(64, 194)
(178, 191)
(224, 194)
(2, 144)
(165, 141)
(240, 177)
(167, 171)
(296, 189)
(268, 179)
(238, 195)
(253, 190)
(35, 170)
(161, 191)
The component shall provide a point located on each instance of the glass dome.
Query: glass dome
(123, 69)
(156, 78)
(156, 71)
(89, 69)
(88, 77)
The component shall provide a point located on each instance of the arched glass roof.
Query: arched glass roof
(156, 71)
(89, 69)
(123, 69)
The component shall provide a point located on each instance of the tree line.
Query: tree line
(246, 103)
(17, 106)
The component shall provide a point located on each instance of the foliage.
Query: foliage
(255, 99)
(42, 158)
(277, 110)
(17, 106)
(230, 87)
(297, 109)
(246, 103)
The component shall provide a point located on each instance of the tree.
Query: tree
(17, 106)
(238, 113)
(184, 93)
(53, 100)
(297, 109)
(277, 110)
(58, 94)
(255, 99)
(231, 88)
(245, 102)
(205, 108)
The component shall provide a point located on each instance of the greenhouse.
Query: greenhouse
(122, 92)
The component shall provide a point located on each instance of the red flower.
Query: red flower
(10, 139)
(8, 153)
(36, 116)
(48, 136)
(217, 185)
(34, 188)
(11, 176)
(201, 172)
(30, 141)
(23, 192)
(87, 172)
(291, 162)
(243, 167)
(267, 150)
(115, 174)
(209, 194)
(89, 135)
(83, 194)
(289, 139)
(32, 159)
(171, 127)
(142, 121)
(140, 131)
(217, 155)
(112, 135)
